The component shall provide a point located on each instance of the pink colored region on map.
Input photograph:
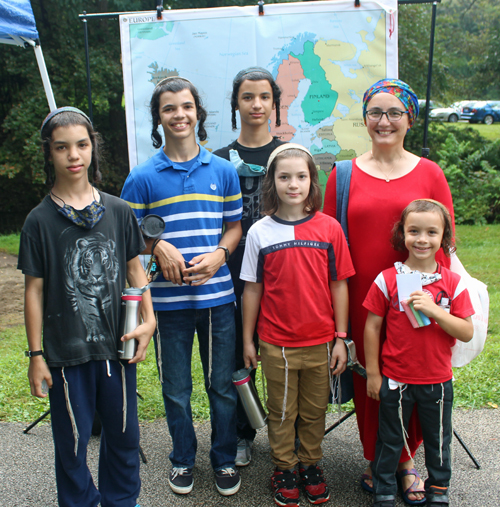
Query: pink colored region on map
(289, 75)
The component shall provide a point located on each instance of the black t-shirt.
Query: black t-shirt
(251, 191)
(84, 272)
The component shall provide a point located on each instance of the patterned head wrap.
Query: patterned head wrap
(400, 90)
(63, 110)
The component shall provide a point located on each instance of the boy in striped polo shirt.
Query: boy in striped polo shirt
(198, 195)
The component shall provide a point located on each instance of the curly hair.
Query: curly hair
(270, 201)
(175, 85)
(69, 119)
(425, 206)
(254, 74)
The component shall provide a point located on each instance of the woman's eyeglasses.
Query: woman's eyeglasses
(391, 115)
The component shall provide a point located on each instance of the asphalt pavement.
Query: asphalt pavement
(27, 470)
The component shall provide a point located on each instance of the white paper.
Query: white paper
(407, 284)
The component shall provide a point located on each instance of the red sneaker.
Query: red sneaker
(284, 484)
(314, 483)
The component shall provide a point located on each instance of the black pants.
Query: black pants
(428, 398)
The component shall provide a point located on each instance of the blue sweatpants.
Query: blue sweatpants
(95, 385)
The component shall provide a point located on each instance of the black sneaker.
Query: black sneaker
(314, 484)
(228, 481)
(180, 480)
(284, 484)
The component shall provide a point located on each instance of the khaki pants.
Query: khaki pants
(307, 398)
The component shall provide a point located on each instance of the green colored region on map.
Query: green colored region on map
(320, 99)
(328, 147)
(151, 31)
(346, 155)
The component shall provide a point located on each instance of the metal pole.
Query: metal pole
(425, 150)
(87, 59)
(471, 456)
(340, 421)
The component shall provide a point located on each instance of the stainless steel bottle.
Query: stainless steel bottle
(249, 398)
(131, 302)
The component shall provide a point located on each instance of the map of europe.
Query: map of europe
(323, 55)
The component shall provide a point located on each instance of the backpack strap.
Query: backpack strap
(344, 171)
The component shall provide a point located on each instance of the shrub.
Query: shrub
(474, 179)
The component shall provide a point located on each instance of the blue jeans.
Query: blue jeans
(174, 346)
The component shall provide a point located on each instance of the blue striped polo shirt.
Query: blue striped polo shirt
(194, 202)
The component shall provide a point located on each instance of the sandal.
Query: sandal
(366, 487)
(413, 488)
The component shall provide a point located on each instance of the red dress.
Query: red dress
(374, 207)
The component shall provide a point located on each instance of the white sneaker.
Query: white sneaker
(243, 453)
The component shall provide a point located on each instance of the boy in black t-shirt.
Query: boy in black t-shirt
(78, 248)
(255, 95)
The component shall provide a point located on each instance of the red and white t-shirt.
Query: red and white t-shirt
(421, 355)
(296, 261)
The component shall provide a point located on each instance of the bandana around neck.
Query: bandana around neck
(87, 218)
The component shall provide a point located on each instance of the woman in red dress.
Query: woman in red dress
(383, 182)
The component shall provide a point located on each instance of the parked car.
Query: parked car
(421, 105)
(451, 114)
(466, 111)
(486, 112)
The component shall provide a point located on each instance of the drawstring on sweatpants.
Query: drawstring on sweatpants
(76, 435)
(285, 396)
(400, 414)
(124, 391)
(209, 347)
(108, 371)
(158, 348)
(441, 429)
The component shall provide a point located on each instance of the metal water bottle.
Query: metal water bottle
(249, 398)
(131, 302)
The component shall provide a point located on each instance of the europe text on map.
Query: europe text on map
(323, 55)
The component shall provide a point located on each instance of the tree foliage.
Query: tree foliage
(457, 65)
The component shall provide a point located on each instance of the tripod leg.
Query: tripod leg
(36, 421)
(340, 421)
(471, 456)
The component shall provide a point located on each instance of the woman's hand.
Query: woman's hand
(373, 385)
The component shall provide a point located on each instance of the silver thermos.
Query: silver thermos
(131, 303)
(249, 398)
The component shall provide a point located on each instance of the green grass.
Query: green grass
(17, 404)
(476, 384)
(10, 244)
(489, 132)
